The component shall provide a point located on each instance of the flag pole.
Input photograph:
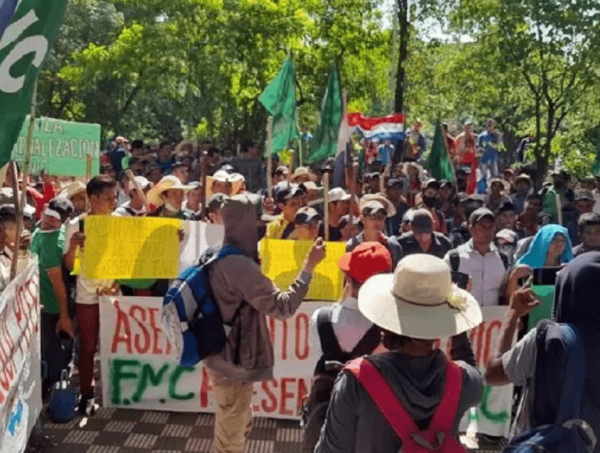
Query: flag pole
(300, 140)
(26, 162)
(326, 204)
(353, 187)
(270, 156)
(292, 164)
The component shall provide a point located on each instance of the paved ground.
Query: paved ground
(128, 431)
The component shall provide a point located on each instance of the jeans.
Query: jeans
(233, 415)
(56, 354)
(88, 325)
(492, 167)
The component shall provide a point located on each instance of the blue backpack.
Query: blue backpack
(558, 385)
(191, 317)
(63, 401)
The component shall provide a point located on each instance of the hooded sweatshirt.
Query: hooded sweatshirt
(238, 283)
(355, 424)
(536, 256)
(576, 303)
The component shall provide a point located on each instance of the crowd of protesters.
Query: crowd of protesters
(406, 234)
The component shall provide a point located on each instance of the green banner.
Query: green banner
(60, 148)
(23, 49)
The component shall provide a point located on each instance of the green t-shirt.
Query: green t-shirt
(48, 246)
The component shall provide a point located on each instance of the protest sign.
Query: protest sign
(140, 371)
(131, 247)
(20, 360)
(493, 415)
(281, 261)
(60, 148)
(199, 237)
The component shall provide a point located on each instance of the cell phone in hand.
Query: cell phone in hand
(460, 279)
(545, 276)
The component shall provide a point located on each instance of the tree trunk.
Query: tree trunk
(403, 25)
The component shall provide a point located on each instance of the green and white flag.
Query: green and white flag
(279, 99)
(325, 141)
(24, 46)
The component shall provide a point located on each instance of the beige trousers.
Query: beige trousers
(233, 415)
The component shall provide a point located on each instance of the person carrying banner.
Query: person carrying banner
(340, 333)
(47, 243)
(246, 297)
(102, 193)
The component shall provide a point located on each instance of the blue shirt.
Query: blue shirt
(385, 151)
(490, 143)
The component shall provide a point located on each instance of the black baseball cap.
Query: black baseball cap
(480, 214)
(306, 215)
(422, 221)
(61, 206)
(507, 206)
(285, 191)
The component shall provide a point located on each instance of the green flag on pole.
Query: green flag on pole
(325, 140)
(596, 164)
(23, 49)
(279, 99)
(439, 164)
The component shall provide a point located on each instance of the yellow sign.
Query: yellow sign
(131, 248)
(282, 260)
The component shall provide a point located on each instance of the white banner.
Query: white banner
(493, 415)
(198, 238)
(140, 372)
(20, 360)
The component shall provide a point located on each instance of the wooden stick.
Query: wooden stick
(353, 188)
(26, 162)
(292, 164)
(559, 208)
(326, 205)
(138, 189)
(203, 175)
(270, 156)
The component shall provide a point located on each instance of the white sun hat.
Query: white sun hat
(419, 300)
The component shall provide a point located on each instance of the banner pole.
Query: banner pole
(353, 186)
(299, 141)
(26, 162)
(326, 205)
(292, 164)
(203, 179)
(270, 156)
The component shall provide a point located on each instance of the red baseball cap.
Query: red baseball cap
(366, 260)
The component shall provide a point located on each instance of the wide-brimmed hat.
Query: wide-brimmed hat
(419, 300)
(72, 189)
(505, 184)
(302, 171)
(235, 179)
(168, 182)
(381, 198)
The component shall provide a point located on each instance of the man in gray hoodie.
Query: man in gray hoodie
(246, 297)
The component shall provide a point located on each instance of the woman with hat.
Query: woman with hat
(167, 198)
(413, 307)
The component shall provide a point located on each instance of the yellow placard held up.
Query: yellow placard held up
(281, 261)
(131, 247)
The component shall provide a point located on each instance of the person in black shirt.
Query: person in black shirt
(422, 238)
(338, 206)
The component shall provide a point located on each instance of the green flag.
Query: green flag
(279, 99)
(23, 48)
(325, 141)
(439, 164)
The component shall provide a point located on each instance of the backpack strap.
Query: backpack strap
(384, 397)
(454, 260)
(368, 342)
(445, 415)
(329, 342)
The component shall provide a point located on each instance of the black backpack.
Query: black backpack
(328, 367)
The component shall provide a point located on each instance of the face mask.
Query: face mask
(170, 207)
(430, 202)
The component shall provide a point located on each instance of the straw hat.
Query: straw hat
(72, 189)
(300, 172)
(505, 183)
(235, 179)
(381, 198)
(169, 182)
(419, 300)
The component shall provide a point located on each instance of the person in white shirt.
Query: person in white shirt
(135, 206)
(481, 259)
(340, 332)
